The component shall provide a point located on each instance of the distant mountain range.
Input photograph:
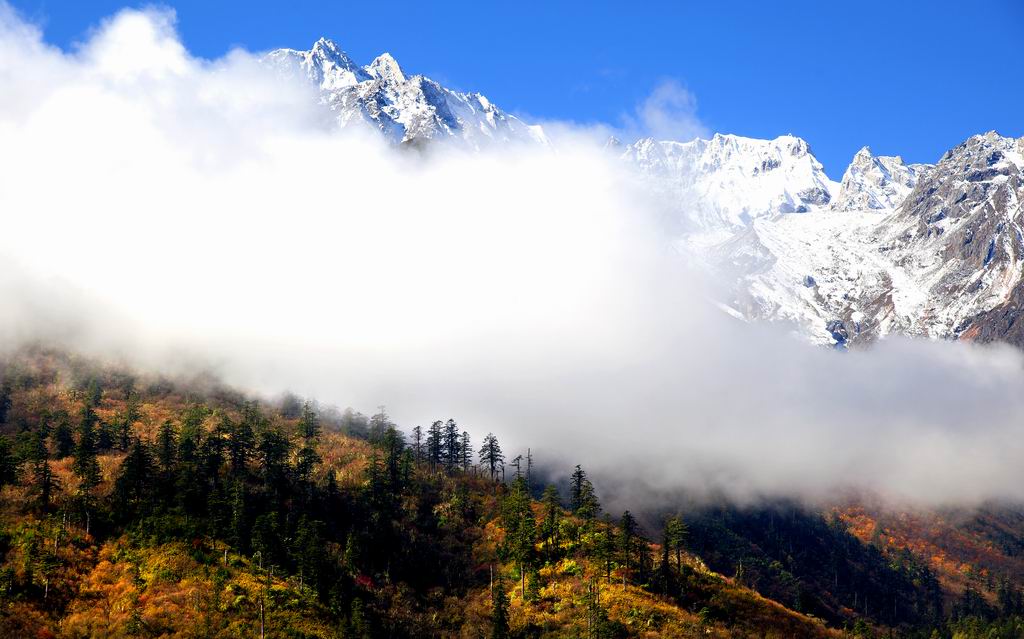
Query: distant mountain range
(893, 248)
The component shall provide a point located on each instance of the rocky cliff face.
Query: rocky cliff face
(924, 250)
(961, 228)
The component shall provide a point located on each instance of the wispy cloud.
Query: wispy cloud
(668, 113)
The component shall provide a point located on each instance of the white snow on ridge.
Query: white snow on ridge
(726, 182)
(325, 65)
(406, 109)
(876, 182)
(849, 261)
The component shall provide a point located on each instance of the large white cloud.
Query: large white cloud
(154, 204)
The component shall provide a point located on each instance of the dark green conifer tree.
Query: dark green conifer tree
(62, 435)
(239, 533)
(520, 528)
(5, 399)
(167, 451)
(105, 436)
(627, 540)
(272, 453)
(85, 464)
(550, 523)
(133, 486)
(675, 538)
(452, 446)
(242, 439)
(308, 552)
(499, 610)
(491, 456)
(8, 465)
(435, 445)
(309, 423)
(43, 484)
(417, 444)
(393, 444)
(466, 452)
(582, 498)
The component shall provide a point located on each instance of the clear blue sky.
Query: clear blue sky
(910, 78)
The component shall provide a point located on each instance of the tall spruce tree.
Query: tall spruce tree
(242, 439)
(520, 528)
(499, 610)
(133, 486)
(167, 450)
(452, 447)
(307, 458)
(582, 497)
(62, 435)
(43, 484)
(309, 423)
(393, 445)
(675, 538)
(8, 465)
(435, 445)
(550, 522)
(272, 452)
(85, 466)
(5, 399)
(379, 424)
(467, 452)
(417, 443)
(627, 540)
(491, 456)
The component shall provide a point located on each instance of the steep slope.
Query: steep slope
(959, 232)
(213, 516)
(924, 250)
(409, 110)
(948, 257)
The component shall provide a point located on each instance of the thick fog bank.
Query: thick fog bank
(157, 206)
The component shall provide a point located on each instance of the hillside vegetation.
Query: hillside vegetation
(138, 506)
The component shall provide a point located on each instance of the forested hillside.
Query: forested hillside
(138, 505)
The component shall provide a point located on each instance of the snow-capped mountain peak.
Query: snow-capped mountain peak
(325, 65)
(385, 67)
(725, 183)
(876, 182)
(406, 109)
